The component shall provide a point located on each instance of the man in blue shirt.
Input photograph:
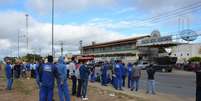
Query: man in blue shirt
(62, 80)
(9, 74)
(104, 73)
(130, 67)
(47, 74)
(118, 75)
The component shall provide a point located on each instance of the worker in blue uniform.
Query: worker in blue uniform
(104, 71)
(118, 75)
(47, 75)
(124, 73)
(9, 75)
(130, 67)
(62, 80)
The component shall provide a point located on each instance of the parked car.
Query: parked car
(165, 63)
(143, 65)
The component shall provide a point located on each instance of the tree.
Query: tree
(195, 59)
(31, 57)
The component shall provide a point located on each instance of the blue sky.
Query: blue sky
(90, 20)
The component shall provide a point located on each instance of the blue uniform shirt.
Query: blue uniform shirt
(118, 71)
(8, 71)
(48, 75)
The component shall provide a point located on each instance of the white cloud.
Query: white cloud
(161, 6)
(4, 43)
(40, 34)
(44, 6)
(117, 25)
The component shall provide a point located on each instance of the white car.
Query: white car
(143, 65)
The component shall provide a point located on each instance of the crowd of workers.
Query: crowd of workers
(117, 73)
(45, 74)
(107, 73)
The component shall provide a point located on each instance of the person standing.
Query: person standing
(104, 73)
(17, 69)
(136, 77)
(72, 74)
(151, 81)
(23, 70)
(62, 80)
(130, 67)
(118, 75)
(78, 79)
(47, 73)
(198, 83)
(9, 74)
(124, 73)
(28, 70)
(39, 70)
(84, 76)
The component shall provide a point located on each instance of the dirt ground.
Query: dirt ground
(26, 90)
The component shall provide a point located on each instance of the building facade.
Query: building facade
(125, 50)
(186, 51)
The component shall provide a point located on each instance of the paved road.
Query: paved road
(179, 83)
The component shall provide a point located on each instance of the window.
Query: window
(181, 54)
(187, 54)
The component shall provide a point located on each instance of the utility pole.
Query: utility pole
(61, 43)
(81, 51)
(53, 28)
(27, 32)
(18, 44)
(62, 49)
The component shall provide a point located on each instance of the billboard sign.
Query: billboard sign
(154, 41)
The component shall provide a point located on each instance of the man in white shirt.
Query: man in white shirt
(72, 74)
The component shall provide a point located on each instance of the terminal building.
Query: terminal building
(125, 50)
(141, 48)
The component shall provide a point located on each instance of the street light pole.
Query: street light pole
(27, 32)
(18, 44)
(53, 28)
(81, 51)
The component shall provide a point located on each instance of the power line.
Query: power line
(177, 11)
(174, 13)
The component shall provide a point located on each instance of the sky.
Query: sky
(90, 20)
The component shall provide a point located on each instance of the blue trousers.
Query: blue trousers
(46, 93)
(129, 82)
(84, 88)
(63, 91)
(135, 84)
(151, 87)
(114, 82)
(119, 82)
(9, 83)
(104, 80)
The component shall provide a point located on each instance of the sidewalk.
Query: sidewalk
(141, 95)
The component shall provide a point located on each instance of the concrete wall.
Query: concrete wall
(186, 51)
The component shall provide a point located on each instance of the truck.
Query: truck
(165, 63)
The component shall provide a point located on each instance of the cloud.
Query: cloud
(117, 25)
(44, 6)
(4, 43)
(40, 34)
(160, 6)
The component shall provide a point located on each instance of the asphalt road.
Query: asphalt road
(178, 83)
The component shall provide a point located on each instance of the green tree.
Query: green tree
(195, 59)
(32, 57)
